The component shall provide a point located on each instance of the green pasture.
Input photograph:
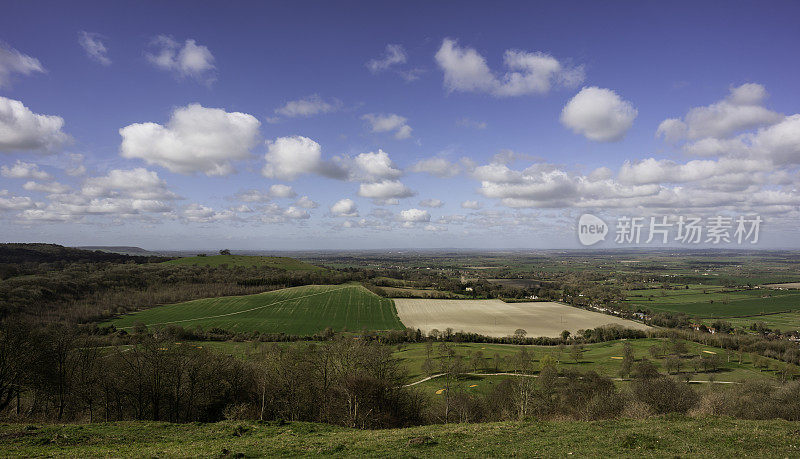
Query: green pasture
(714, 301)
(600, 357)
(787, 321)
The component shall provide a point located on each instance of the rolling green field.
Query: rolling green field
(297, 311)
(289, 264)
(673, 436)
(708, 301)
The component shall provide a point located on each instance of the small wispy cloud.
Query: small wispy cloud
(94, 46)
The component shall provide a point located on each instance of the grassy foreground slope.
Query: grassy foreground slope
(297, 311)
(289, 264)
(673, 436)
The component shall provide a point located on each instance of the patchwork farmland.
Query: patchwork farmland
(296, 311)
(496, 318)
(706, 301)
(311, 309)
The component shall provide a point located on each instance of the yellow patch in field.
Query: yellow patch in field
(709, 352)
(474, 385)
(440, 391)
(617, 358)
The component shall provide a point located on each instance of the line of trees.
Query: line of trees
(55, 373)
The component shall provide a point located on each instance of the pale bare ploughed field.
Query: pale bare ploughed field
(786, 285)
(496, 318)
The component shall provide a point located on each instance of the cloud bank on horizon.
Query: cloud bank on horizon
(199, 143)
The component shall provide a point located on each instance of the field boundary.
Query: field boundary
(753, 315)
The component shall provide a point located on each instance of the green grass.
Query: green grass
(714, 301)
(289, 264)
(297, 311)
(673, 436)
(597, 357)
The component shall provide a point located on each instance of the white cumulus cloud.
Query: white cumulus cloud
(306, 203)
(136, 183)
(672, 130)
(11, 202)
(389, 123)
(23, 170)
(384, 191)
(187, 60)
(740, 110)
(195, 139)
(289, 157)
(198, 213)
(528, 72)
(415, 215)
(281, 191)
(374, 166)
(344, 208)
(21, 129)
(599, 114)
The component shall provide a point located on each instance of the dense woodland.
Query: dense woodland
(21, 259)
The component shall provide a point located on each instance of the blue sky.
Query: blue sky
(518, 117)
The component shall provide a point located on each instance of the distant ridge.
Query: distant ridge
(121, 249)
(52, 253)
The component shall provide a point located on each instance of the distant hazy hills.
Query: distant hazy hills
(125, 250)
(13, 253)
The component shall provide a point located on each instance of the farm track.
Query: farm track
(439, 375)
